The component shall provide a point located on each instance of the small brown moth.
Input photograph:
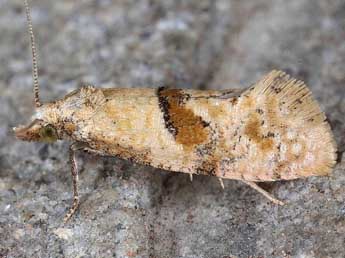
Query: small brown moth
(272, 131)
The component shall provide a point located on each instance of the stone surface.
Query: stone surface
(128, 210)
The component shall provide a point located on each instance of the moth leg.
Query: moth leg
(74, 172)
(191, 177)
(221, 182)
(262, 191)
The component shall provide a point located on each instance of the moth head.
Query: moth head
(38, 130)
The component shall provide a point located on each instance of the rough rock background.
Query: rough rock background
(128, 210)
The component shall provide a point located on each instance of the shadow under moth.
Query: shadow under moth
(273, 130)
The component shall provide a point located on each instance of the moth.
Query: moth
(274, 130)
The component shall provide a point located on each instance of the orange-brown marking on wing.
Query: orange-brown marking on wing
(217, 111)
(247, 103)
(252, 130)
(187, 128)
(69, 127)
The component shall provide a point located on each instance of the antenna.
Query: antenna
(34, 56)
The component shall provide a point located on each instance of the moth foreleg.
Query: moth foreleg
(191, 177)
(221, 182)
(262, 191)
(74, 172)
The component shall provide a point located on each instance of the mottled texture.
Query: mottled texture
(135, 211)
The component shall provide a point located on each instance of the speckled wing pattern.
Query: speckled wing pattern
(273, 130)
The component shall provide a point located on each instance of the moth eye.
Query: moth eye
(48, 133)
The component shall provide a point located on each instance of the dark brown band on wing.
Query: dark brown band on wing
(187, 128)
